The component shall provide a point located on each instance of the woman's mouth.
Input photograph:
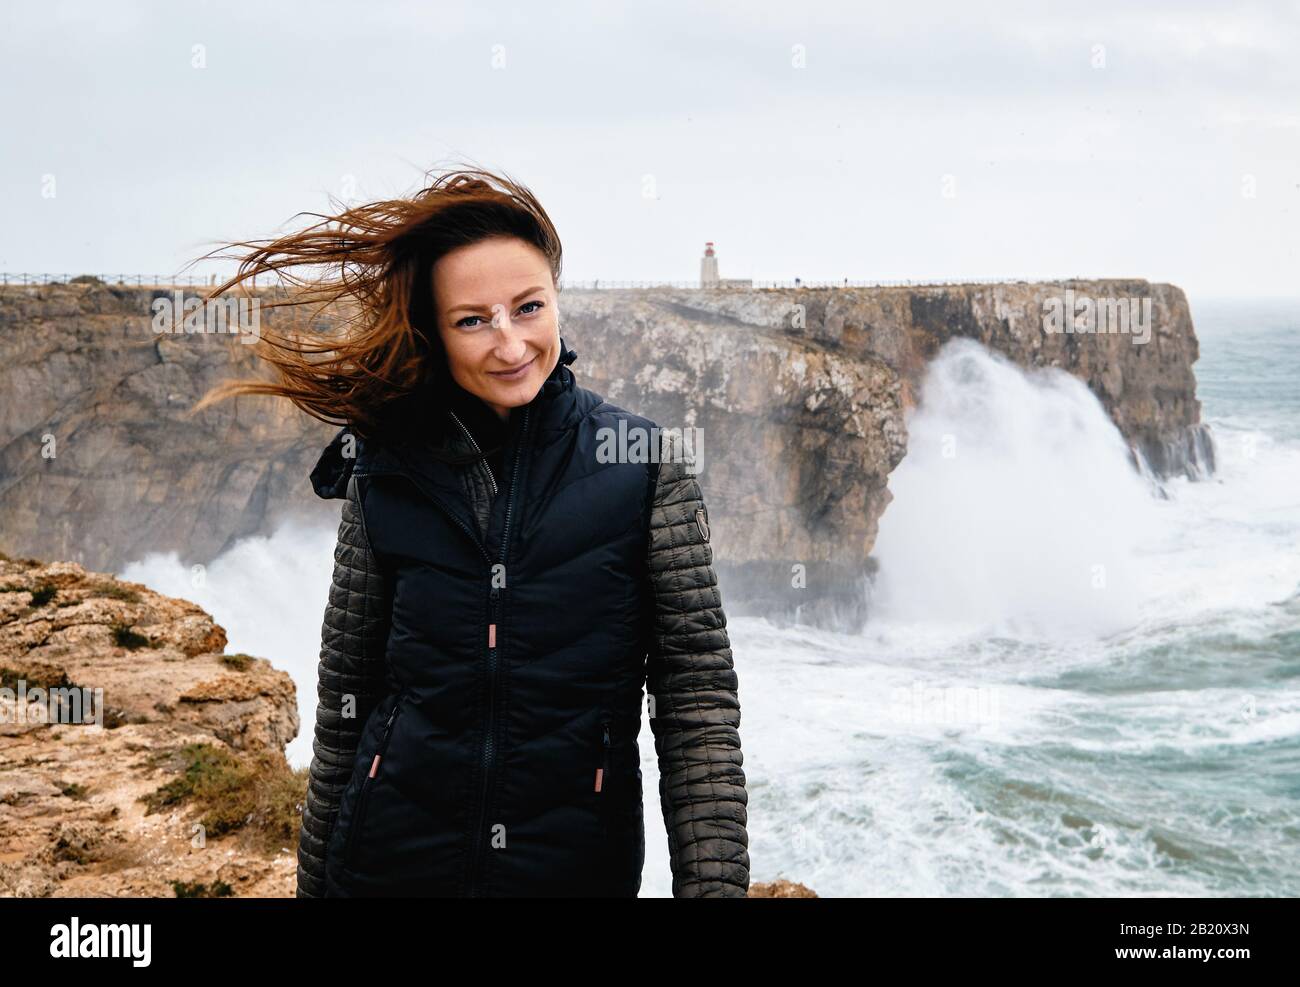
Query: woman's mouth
(515, 374)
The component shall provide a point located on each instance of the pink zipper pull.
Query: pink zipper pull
(492, 635)
(604, 743)
(374, 766)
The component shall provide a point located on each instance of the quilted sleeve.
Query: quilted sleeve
(354, 636)
(694, 709)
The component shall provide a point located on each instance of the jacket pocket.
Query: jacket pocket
(602, 767)
(363, 797)
(617, 774)
(620, 812)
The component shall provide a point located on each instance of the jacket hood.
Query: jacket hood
(333, 469)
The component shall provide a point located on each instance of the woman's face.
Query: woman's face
(496, 308)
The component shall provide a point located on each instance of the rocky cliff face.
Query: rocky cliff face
(98, 464)
(800, 397)
(136, 758)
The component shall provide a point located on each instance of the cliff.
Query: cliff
(136, 758)
(97, 463)
(801, 397)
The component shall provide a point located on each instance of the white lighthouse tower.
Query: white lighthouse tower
(708, 267)
(709, 272)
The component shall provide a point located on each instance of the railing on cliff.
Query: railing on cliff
(196, 281)
(127, 280)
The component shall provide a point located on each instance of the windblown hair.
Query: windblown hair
(370, 343)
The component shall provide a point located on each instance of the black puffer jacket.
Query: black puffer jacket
(482, 664)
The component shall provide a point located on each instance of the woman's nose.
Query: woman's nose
(510, 349)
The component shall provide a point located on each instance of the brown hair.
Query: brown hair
(379, 344)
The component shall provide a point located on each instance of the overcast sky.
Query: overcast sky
(813, 139)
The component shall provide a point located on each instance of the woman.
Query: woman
(501, 591)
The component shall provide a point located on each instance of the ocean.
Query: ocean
(1073, 681)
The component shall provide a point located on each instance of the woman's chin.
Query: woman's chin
(514, 392)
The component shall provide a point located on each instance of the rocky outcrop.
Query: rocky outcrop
(119, 714)
(800, 397)
(1144, 381)
(780, 888)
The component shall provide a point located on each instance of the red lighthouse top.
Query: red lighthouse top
(708, 248)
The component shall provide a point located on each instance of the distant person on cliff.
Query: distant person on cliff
(501, 593)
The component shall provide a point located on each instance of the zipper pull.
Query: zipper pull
(492, 635)
(604, 741)
(388, 726)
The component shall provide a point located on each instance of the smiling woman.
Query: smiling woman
(507, 358)
(494, 618)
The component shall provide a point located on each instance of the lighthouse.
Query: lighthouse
(709, 267)
(709, 272)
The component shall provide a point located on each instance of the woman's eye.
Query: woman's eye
(465, 322)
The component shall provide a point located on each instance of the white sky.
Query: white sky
(832, 170)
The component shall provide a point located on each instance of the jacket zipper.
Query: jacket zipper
(494, 595)
(602, 773)
(363, 797)
(489, 736)
(486, 467)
